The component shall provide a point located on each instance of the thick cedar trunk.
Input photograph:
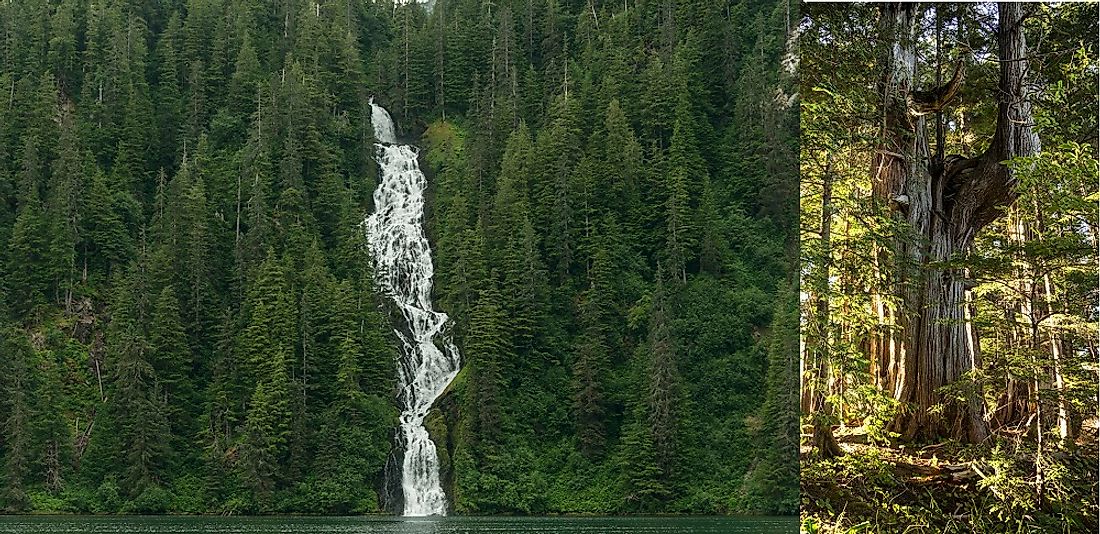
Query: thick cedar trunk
(889, 170)
(927, 341)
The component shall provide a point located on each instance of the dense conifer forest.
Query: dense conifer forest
(949, 260)
(188, 318)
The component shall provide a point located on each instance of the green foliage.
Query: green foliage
(187, 298)
(771, 485)
(1025, 287)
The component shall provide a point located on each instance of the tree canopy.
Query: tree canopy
(188, 317)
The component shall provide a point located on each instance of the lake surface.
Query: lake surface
(395, 525)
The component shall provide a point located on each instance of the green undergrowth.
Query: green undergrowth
(950, 487)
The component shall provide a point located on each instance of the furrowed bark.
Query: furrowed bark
(927, 342)
(890, 168)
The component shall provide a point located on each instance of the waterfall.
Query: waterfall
(429, 359)
(428, 4)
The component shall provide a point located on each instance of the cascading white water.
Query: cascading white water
(403, 270)
(428, 4)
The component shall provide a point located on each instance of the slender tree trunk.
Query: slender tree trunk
(808, 382)
(237, 226)
(1015, 406)
(1057, 351)
(927, 342)
(440, 55)
(1055, 341)
(820, 409)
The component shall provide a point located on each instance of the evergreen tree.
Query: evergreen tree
(53, 451)
(622, 161)
(487, 350)
(555, 209)
(772, 484)
(107, 242)
(169, 98)
(27, 274)
(267, 429)
(267, 343)
(135, 400)
(171, 360)
(589, 366)
(712, 247)
(685, 167)
(63, 55)
(65, 209)
(182, 190)
(663, 391)
(17, 425)
(191, 216)
(643, 487)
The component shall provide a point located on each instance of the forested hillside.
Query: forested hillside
(949, 253)
(189, 323)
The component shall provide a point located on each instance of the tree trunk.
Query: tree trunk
(1057, 351)
(927, 342)
(1056, 342)
(889, 169)
(1015, 405)
(820, 409)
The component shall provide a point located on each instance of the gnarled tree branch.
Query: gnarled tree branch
(927, 342)
(992, 185)
(933, 100)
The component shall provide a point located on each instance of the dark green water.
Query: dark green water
(352, 525)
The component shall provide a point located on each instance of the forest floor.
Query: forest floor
(948, 487)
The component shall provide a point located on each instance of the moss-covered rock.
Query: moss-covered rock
(441, 423)
(436, 425)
